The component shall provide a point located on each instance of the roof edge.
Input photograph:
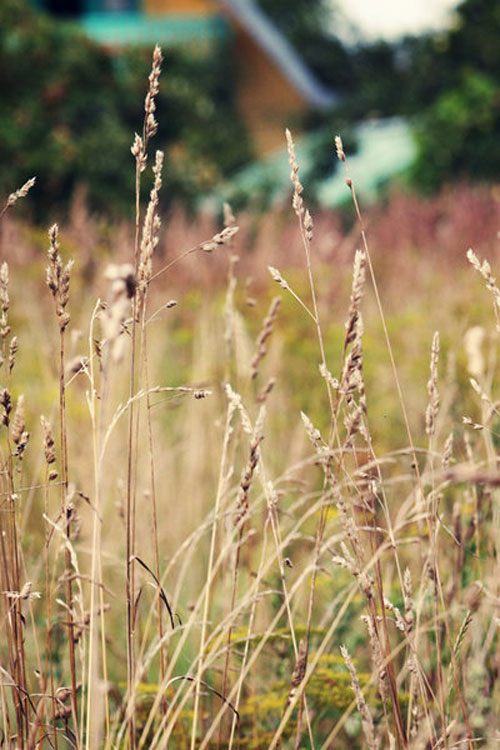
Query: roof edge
(279, 49)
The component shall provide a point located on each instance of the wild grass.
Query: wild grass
(243, 518)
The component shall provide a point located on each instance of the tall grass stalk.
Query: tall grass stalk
(139, 151)
(58, 278)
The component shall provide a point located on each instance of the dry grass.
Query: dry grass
(238, 521)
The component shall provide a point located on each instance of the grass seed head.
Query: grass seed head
(4, 300)
(18, 421)
(48, 441)
(6, 403)
(4, 287)
(221, 238)
(13, 347)
(151, 125)
(433, 405)
(264, 335)
(21, 193)
(366, 717)
(297, 200)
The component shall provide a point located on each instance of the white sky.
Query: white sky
(393, 18)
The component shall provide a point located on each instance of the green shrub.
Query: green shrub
(68, 107)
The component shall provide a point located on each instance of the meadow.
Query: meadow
(249, 483)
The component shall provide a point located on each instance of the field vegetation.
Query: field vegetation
(249, 480)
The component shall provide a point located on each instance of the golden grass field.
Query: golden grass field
(249, 475)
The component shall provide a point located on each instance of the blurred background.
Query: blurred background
(412, 88)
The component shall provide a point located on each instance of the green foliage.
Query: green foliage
(447, 83)
(460, 132)
(458, 129)
(68, 108)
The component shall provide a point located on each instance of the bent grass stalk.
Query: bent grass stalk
(221, 491)
(165, 730)
(401, 736)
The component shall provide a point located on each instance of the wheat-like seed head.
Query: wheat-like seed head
(48, 441)
(221, 238)
(377, 658)
(18, 421)
(297, 200)
(13, 348)
(366, 717)
(150, 231)
(433, 406)
(58, 278)
(484, 269)
(6, 403)
(448, 451)
(4, 300)
(21, 193)
(358, 284)
(339, 147)
(265, 333)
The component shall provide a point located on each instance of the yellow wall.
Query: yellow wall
(180, 6)
(266, 99)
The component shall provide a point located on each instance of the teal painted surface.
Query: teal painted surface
(138, 28)
(386, 149)
(98, 6)
(110, 6)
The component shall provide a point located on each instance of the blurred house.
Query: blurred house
(275, 87)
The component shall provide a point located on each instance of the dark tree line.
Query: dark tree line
(68, 109)
(447, 83)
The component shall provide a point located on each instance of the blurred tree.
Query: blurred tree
(447, 83)
(308, 25)
(68, 111)
(458, 136)
(474, 39)
(458, 127)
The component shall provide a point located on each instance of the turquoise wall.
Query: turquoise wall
(90, 6)
(93, 6)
